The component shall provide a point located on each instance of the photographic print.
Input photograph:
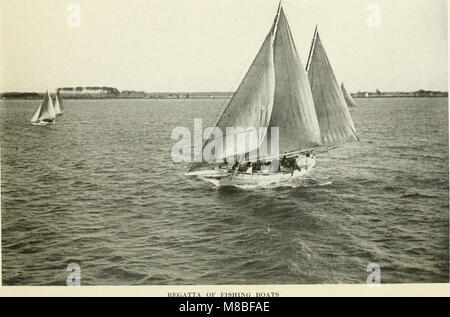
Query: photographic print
(212, 142)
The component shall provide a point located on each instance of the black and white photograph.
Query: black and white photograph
(224, 143)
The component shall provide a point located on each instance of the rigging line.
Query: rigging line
(225, 104)
(241, 76)
(227, 101)
(216, 118)
(248, 96)
(244, 71)
(300, 12)
(250, 58)
(308, 63)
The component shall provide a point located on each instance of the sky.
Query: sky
(208, 45)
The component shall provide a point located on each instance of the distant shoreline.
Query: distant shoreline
(118, 98)
(94, 93)
(387, 97)
(193, 98)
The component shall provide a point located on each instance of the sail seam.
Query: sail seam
(290, 86)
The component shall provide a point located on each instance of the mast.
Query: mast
(311, 50)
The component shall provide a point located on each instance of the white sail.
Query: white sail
(46, 111)
(348, 98)
(60, 101)
(335, 121)
(35, 117)
(51, 108)
(293, 110)
(57, 107)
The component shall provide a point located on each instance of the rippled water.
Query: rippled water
(99, 189)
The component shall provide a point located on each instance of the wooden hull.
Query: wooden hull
(260, 179)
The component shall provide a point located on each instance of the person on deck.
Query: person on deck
(294, 166)
(283, 161)
(256, 166)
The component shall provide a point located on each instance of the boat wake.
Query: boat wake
(77, 122)
(303, 183)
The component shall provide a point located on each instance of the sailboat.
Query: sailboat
(45, 114)
(59, 104)
(307, 107)
(348, 98)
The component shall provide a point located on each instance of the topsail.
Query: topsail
(336, 124)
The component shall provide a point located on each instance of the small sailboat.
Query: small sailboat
(348, 98)
(59, 103)
(307, 106)
(45, 114)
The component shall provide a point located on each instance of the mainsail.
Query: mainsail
(293, 110)
(348, 98)
(336, 124)
(45, 111)
(274, 93)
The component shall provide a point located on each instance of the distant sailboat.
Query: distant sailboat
(45, 114)
(277, 93)
(348, 98)
(59, 104)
